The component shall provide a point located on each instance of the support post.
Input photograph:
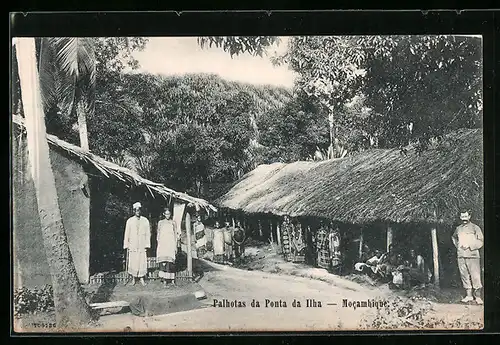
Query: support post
(361, 243)
(435, 255)
(389, 237)
(232, 220)
(188, 245)
(272, 230)
(260, 229)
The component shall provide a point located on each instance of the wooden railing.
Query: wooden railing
(122, 277)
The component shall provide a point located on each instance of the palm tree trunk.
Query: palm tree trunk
(72, 310)
(82, 126)
(84, 136)
(331, 148)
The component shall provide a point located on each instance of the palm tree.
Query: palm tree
(68, 78)
(72, 310)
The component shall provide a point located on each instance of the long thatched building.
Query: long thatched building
(379, 186)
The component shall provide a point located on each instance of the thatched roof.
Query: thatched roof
(121, 174)
(375, 185)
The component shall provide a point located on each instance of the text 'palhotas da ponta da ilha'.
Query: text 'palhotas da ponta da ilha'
(267, 303)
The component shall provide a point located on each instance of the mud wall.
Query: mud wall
(29, 260)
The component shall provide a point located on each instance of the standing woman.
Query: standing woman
(168, 239)
(218, 243)
(228, 243)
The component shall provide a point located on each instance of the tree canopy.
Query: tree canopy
(377, 91)
(181, 130)
(416, 87)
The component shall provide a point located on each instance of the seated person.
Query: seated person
(375, 258)
(417, 272)
(388, 263)
(369, 266)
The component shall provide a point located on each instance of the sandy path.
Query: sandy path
(234, 285)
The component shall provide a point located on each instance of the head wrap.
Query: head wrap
(136, 205)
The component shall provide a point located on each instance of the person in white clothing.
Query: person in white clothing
(168, 238)
(136, 240)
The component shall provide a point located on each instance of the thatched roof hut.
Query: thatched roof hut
(123, 175)
(71, 166)
(375, 185)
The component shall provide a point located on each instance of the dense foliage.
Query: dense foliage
(235, 45)
(183, 131)
(33, 300)
(414, 87)
(351, 93)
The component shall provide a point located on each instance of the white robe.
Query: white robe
(218, 241)
(136, 240)
(167, 238)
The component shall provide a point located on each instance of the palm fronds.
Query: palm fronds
(67, 72)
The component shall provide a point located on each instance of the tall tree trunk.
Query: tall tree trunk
(84, 136)
(82, 126)
(331, 147)
(72, 310)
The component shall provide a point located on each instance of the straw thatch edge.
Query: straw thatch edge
(377, 185)
(124, 175)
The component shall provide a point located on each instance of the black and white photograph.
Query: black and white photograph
(247, 183)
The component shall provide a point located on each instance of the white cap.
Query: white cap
(137, 205)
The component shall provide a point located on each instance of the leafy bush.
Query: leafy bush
(34, 300)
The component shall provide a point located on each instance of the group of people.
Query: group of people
(227, 242)
(403, 272)
(399, 270)
(227, 245)
(137, 239)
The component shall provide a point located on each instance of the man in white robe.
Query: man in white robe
(136, 240)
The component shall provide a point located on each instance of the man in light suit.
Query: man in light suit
(468, 239)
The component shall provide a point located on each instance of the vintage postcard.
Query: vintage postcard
(263, 183)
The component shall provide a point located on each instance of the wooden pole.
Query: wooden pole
(361, 242)
(188, 246)
(435, 255)
(389, 237)
(272, 229)
(260, 229)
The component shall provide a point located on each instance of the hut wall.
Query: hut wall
(30, 263)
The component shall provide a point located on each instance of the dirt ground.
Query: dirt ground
(263, 275)
(427, 307)
(119, 292)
